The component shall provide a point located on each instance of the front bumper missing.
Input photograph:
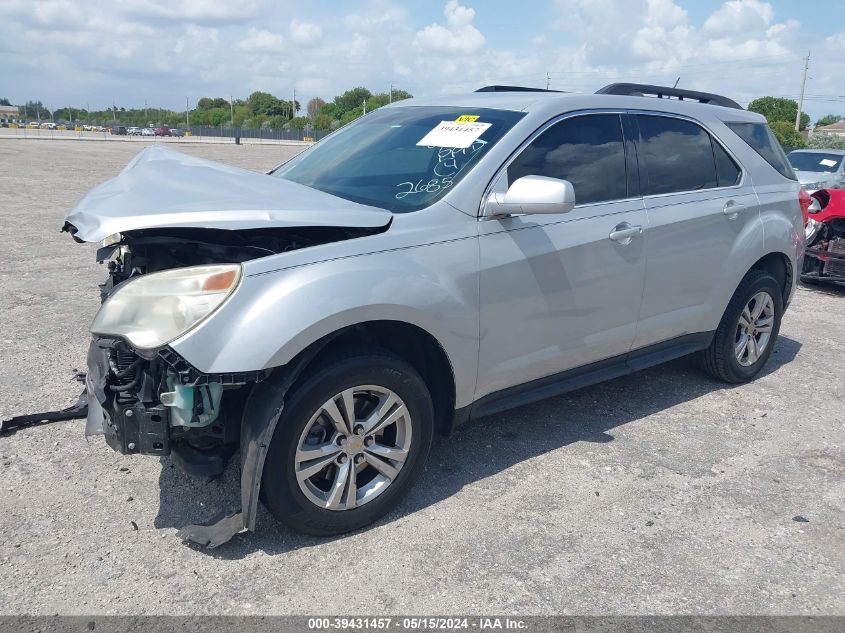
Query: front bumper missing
(142, 425)
(130, 427)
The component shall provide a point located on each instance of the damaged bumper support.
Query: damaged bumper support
(164, 406)
(827, 263)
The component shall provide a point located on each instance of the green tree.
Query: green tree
(299, 123)
(34, 110)
(218, 116)
(779, 109)
(828, 119)
(242, 113)
(314, 106)
(4, 101)
(276, 122)
(323, 122)
(351, 99)
(399, 95)
(787, 136)
(263, 103)
(820, 140)
(208, 103)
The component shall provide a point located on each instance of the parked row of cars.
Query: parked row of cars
(121, 130)
(133, 130)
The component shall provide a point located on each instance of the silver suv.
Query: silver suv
(434, 261)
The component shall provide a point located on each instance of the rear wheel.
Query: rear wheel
(351, 441)
(748, 330)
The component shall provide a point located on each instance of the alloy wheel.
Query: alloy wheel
(754, 329)
(353, 447)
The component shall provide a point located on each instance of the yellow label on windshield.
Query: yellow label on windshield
(467, 118)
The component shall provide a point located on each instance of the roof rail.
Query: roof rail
(513, 89)
(664, 92)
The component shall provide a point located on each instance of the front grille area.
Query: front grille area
(126, 372)
(836, 267)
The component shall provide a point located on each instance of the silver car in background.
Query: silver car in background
(434, 261)
(818, 168)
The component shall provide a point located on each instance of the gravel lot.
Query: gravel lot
(659, 493)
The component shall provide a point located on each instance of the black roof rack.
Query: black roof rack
(513, 89)
(665, 92)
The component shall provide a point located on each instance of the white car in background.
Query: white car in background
(133, 131)
(147, 131)
(819, 168)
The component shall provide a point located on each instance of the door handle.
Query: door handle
(624, 233)
(732, 208)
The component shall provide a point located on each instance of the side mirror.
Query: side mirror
(533, 194)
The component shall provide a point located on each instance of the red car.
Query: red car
(163, 131)
(824, 234)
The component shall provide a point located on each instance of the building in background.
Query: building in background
(837, 129)
(8, 113)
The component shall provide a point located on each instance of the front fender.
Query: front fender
(272, 317)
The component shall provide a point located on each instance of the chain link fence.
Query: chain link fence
(257, 133)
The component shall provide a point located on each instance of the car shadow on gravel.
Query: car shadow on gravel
(473, 452)
(830, 288)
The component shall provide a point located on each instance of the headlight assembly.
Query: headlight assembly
(811, 230)
(151, 310)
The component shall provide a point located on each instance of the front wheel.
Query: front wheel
(748, 330)
(352, 439)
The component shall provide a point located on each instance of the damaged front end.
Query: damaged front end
(175, 256)
(164, 406)
(824, 257)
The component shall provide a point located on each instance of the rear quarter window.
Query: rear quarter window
(760, 138)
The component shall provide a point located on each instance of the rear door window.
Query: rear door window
(677, 155)
(762, 141)
(588, 151)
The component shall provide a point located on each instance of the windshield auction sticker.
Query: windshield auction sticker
(456, 134)
(827, 162)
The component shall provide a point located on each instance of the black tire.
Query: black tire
(374, 366)
(719, 360)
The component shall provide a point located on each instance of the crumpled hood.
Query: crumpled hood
(161, 187)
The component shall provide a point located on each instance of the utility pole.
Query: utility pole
(801, 98)
(293, 104)
(364, 103)
(187, 124)
(113, 111)
(232, 109)
(547, 80)
(390, 99)
(88, 108)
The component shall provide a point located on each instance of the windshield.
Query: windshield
(400, 159)
(814, 161)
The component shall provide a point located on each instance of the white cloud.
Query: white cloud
(740, 16)
(153, 50)
(201, 11)
(458, 36)
(262, 41)
(305, 33)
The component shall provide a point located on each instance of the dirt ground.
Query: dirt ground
(659, 493)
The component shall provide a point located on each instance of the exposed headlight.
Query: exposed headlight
(151, 310)
(811, 230)
(114, 238)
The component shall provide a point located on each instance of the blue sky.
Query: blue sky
(78, 52)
